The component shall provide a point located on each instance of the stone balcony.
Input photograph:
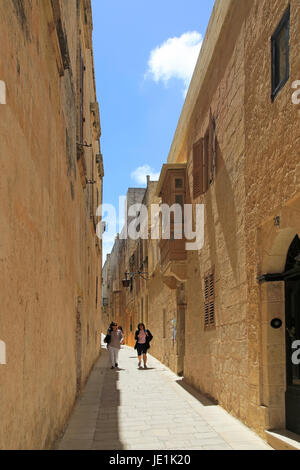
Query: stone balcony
(171, 189)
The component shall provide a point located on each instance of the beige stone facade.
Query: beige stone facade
(51, 184)
(217, 296)
(241, 361)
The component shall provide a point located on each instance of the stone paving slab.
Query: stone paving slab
(136, 409)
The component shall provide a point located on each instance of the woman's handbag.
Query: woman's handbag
(107, 339)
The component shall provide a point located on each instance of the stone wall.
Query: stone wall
(272, 181)
(49, 257)
(257, 179)
(216, 359)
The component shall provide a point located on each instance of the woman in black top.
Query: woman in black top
(142, 338)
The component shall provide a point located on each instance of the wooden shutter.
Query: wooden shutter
(206, 302)
(206, 162)
(214, 148)
(81, 105)
(198, 168)
(96, 291)
(209, 299)
(210, 151)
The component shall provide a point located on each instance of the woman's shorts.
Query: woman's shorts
(141, 349)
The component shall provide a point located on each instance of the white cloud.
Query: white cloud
(139, 175)
(175, 58)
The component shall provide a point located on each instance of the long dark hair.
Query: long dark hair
(138, 327)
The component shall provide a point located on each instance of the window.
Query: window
(209, 299)
(81, 104)
(178, 183)
(198, 168)
(147, 309)
(280, 54)
(179, 200)
(96, 292)
(204, 160)
(164, 323)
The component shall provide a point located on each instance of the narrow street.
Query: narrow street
(132, 409)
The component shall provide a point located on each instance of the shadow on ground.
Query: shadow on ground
(203, 399)
(107, 427)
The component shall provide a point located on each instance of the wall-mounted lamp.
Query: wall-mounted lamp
(87, 181)
(84, 144)
(128, 281)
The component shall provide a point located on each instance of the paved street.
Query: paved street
(134, 409)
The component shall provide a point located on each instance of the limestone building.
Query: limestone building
(51, 185)
(236, 150)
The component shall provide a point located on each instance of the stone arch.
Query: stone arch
(276, 243)
(276, 250)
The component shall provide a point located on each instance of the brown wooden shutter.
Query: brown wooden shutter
(96, 291)
(214, 148)
(209, 299)
(81, 110)
(198, 168)
(206, 162)
(210, 152)
(206, 302)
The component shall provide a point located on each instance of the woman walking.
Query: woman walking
(114, 344)
(142, 338)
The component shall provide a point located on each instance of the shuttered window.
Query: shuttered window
(212, 153)
(214, 149)
(198, 168)
(81, 104)
(205, 160)
(209, 299)
(96, 292)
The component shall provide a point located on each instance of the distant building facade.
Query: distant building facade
(51, 185)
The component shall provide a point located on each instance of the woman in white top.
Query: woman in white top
(114, 345)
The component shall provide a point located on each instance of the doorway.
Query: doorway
(78, 351)
(292, 324)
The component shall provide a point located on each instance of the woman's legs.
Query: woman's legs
(116, 356)
(139, 353)
(113, 353)
(142, 351)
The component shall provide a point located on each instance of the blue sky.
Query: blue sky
(144, 56)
